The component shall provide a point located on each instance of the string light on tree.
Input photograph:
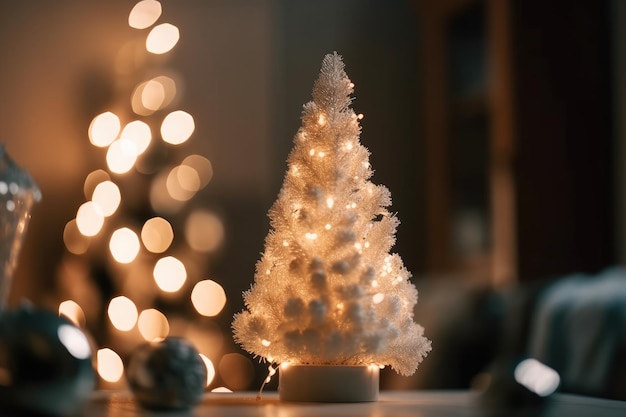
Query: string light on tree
(327, 291)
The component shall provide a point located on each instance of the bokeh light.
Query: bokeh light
(139, 133)
(162, 38)
(124, 245)
(74, 341)
(107, 196)
(223, 390)
(89, 219)
(204, 231)
(93, 179)
(169, 274)
(236, 370)
(160, 199)
(121, 156)
(122, 313)
(73, 312)
(177, 127)
(157, 235)
(74, 240)
(153, 325)
(202, 166)
(182, 183)
(104, 129)
(152, 95)
(109, 365)
(208, 298)
(144, 14)
(210, 369)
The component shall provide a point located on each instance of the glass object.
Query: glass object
(18, 193)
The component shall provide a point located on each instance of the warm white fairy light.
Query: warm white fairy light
(177, 127)
(329, 297)
(89, 218)
(104, 129)
(109, 365)
(121, 155)
(73, 312)
(124, 245)
(153, 325)
(208, 298)
(139, 133)
(107, 197)
(162, 38)
(123, 313)
(210, 369)
(169, 274)
(144, 14)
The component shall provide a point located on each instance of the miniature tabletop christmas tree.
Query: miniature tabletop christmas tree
(327, 289)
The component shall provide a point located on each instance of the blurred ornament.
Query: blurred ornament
(45, 364)
(169, 374)
(18, 193)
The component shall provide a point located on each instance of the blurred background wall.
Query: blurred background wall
(495, 124)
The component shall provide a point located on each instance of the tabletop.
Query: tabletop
(390, 403)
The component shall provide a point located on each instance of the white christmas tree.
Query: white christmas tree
(327, 290)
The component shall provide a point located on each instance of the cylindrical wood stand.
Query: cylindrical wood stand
(328, 383)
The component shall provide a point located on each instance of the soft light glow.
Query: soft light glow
(328, 226)
(182, 183)
(107, 196)
(537, 377)
(162, 38)
(73, 312)
(210, 369)
(177, 127)
(208, 298)
(223, 390)
(321, 120)
(330, 202)
(160, 199)
(378, 298)
(74, 341)
(202, 166)
(122, 313)
(74, 240)
(93, 179)
(124, 245)
(157, 234)
(204, 231)
(144, 14)
(265, 342)
(104, 129)
(121, 156)
(153, 325)
(311, 236)
(139, 133)
(109, 365)
(169, 274)
(89, 219)
(152, 95)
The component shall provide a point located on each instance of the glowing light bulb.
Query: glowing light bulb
(124, 245)
(169, 274)
(210, 369)
(327, 227)
(107, 196)
(153, 325)
(312, 152)
(266, 343)
(285, 243)
(311, 236)
(109, 365)
(89, 219)
(144, 14)
(208, 298)
(121, 156)
(162, 38)
(122, 313)
(378, 298)
(177, 127)
(360, 116)
(72, 311)
(104, 129)
(330, 202)
(321, 120)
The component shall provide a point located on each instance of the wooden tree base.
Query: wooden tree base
(328, 383)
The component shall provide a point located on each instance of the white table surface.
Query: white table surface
(391, 403)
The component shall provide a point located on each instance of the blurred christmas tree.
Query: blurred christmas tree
(327, 290)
